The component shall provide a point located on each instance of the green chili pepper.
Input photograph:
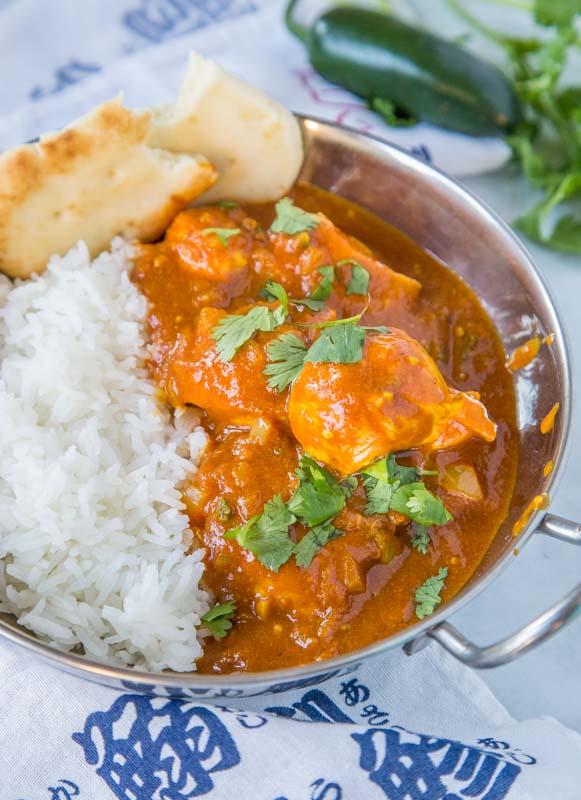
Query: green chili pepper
(407, 74)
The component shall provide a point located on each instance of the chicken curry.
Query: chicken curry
(361, 420)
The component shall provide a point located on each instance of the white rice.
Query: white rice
(93, 534)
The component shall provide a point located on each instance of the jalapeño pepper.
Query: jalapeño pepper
(404, 72)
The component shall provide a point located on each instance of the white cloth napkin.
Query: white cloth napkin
(420, 728)
(401, 728)
(61, 64)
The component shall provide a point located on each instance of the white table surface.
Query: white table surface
(547, 681)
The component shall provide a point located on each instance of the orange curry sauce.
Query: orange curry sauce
(360, 587)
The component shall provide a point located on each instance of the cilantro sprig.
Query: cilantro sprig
(427, 596)
(286, 358)
(547, 144)
(316, 502)
(234, 330)
(313, 541)
(421, 539)
(389, 486)
(266, 535)
(218, 620)
(291, 219)
(340, 342)
(320, 496)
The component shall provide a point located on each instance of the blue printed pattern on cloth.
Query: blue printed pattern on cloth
(144, 747)
(150, 22)
(158, 20)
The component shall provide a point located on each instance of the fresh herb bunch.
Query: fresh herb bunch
(548, 143)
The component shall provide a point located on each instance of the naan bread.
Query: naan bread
(93, 180)
(254, 142)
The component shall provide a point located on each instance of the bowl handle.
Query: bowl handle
(520, 642)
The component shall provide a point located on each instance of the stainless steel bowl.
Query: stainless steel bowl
(447, 220)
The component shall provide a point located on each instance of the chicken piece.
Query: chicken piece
(395, 398)
(217, 257)
(326, 244)
(234, 392)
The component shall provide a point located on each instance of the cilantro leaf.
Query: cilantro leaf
(291, 219)
(556, 12)
(228, 205)
(320, 496)
(276, 291)
(234, 330)
(324, 289)
(421, 539)
(391, 486)
(311, 543)
(223, 233)
(286, 356)
(342, 344)
(405, 474)
(218, 619)
(427, 596)
(308, 302)
(313, 506)
(266, 535)
(379, 495)
(416, 502)
(309, 468)
(359, 283)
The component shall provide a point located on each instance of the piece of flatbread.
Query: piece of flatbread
(93, 180)
(254, 142)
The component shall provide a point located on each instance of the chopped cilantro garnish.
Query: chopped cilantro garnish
(228, 205)
(223, 233)
(234, 330)
(415, 502)
(266, 534)
(276, 291)
(379, 494)
(341, 344)
(359, 283)
(405, 474)
(218, 619)
(308, 302)
(286, 356)
(421, 539)
(311, 543)
(390, 486)
(427, 596)
(291, 219)
(320, 496)
(318, 499)
(324, 289)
